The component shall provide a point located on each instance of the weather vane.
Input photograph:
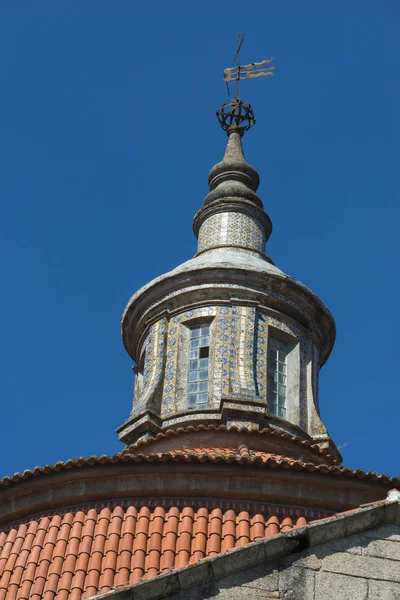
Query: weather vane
(236, 113)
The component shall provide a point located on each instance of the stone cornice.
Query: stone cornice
(170, 293)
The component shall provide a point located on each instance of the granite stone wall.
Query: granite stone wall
(361, 567)
(364, 566)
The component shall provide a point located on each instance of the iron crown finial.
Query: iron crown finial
(236, 114)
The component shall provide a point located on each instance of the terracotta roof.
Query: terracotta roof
(86, 552)
(209, 571)
(96, 550)
(214, 455)
(171, 433)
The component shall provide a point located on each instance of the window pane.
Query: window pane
(272, 366)
(204, 352)
(198, 367)
(277, 360)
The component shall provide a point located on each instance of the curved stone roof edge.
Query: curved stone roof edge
(212, 455)
(175, 273)
(175, 278)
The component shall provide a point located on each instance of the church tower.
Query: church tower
(227, 338)
(229, 485)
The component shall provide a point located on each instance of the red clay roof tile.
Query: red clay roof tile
(272, 527)
(93, 551)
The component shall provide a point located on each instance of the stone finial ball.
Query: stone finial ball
(236, 113)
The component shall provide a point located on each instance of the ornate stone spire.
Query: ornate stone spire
(233, 177)
(232, 214)
(226, 338)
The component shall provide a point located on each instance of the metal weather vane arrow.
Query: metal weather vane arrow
(240, 72)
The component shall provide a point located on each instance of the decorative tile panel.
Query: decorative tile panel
(171, 365)
(231, 228)
(261, 356)
(238, 358)
(223, 336)
(242, 352)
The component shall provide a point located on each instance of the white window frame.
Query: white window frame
(198, 372)
(292, 400)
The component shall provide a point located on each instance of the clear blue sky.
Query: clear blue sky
(108, 133)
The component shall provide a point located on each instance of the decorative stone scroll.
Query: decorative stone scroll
(153, 365)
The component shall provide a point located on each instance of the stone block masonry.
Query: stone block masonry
(359, 567)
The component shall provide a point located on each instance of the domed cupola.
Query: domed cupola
(227, 339)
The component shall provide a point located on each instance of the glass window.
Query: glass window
(198, 366)
(277, 366)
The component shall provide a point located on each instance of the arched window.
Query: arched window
(198, 373)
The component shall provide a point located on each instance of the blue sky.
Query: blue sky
(108, 134)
